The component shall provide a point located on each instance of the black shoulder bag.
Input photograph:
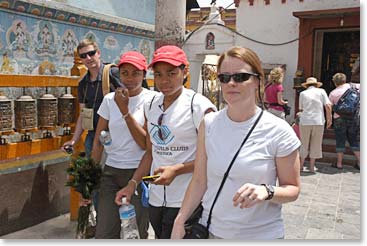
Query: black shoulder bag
(195, 230)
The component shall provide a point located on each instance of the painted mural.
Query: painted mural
(31, 45)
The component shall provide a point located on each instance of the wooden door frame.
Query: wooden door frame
(310, 21)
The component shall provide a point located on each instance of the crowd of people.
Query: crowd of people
(241, 162)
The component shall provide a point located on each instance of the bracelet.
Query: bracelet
(134, 181)
(125, 115)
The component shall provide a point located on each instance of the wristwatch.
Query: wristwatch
(270, 190)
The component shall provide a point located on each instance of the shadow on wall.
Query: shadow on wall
(32, 196)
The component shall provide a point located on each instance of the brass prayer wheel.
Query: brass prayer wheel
(6, 114)
(25, 113)
(66, 109)
(47, 111)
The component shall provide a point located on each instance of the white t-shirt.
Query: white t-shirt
(179, 126)
(271, 138)
(124, 152)
(312, 102)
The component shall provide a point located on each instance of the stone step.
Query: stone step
(329, 133)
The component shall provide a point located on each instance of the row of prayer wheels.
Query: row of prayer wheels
(50, 111)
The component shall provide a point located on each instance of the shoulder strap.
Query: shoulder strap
(192, 103)
(151, 102)
(106, 78)
(353, 86)
(229, 168)
(192, 111)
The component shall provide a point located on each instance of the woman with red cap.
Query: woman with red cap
(121, 112)
(172, 119)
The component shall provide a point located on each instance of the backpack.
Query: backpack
(106, 78)
(348, 104)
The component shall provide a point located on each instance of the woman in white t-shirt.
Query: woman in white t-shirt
(122, 113)
(172, 119)
(265, 173)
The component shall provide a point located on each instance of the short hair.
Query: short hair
(339, 79)
(86, 42)
(276, 75)
(251, 58)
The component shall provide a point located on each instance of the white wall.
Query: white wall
(275, 23)
(195, 50)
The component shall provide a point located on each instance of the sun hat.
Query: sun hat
(134, 58)
(170, 54)
(311, 81)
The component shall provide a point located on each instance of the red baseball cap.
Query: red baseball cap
(170, 54)
(134, 58)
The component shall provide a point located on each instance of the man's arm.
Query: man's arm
(328, 111)
(78, 130)
(97, 146)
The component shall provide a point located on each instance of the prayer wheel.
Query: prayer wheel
(6, 114)
(66, 109)
(25, 113)
(47, 111)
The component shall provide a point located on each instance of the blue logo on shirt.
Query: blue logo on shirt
(166, 135)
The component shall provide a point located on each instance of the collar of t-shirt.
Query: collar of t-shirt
(99, 76)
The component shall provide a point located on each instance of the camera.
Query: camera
(68, 149)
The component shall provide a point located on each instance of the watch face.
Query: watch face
(271, 188)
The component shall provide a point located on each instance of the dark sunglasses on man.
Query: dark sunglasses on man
(89, 53)
(237, 77)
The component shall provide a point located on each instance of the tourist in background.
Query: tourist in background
(90, 93)
(312, 103)
(274, 93)
(345, 129)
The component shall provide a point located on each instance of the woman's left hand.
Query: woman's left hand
(178, 231)
(249, 194)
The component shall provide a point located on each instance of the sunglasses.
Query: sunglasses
(160, 132)
(89, 53)
(237, 77)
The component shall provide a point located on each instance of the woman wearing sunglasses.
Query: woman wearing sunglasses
(264, 174)
(172, 119)
(121, 112)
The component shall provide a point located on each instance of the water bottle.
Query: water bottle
(129, 227)
(105, 138)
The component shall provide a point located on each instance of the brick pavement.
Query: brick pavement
(329, 207)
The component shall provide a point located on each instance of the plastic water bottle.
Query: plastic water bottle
(105, 138)
(129, 227)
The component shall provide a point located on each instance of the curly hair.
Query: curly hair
(276, 75)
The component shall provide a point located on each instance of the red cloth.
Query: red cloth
(271, 93)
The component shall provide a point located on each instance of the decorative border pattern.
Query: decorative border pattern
(61, 15)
